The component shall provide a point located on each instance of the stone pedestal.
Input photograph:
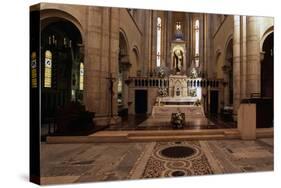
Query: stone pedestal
(247, 121)
(102, 121)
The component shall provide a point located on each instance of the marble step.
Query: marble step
(158, 135)
(86, 139)
(175, 132)
(175, 138)
(265, 132)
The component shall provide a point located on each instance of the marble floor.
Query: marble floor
(70, 163)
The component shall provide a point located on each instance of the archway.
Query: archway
(62, 65)
(267, 67)
(123, 71)
(135, 60)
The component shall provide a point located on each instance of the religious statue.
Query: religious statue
(178, 60)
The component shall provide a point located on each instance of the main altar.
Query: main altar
(180, 96)
(183, 94)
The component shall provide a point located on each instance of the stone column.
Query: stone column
(243, 57)
(236, 66)
(147, 42)
(92, 78)
(187, 38)
(153, 42)
(205, 30)
(201, 42)
(125, 88)
(253, 56)
(211, 58)
(169, 31)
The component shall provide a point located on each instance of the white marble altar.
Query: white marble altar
(190, 111)
(177, 86)
(180, 92)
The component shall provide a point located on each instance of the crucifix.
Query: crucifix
(178, 26)
(111, 83)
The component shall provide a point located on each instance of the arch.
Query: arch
(136, 53)
(124, 54)
(123, 37)
(62, 36)
(136, 49)
(49, 16)
(227, 45)
(265, 35)
(218, 53)
(267, 64)
(123, 68)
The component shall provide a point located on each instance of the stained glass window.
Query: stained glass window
(48, 69)
(196, 28)
(158, 45)
(33, 70)
(81, 77)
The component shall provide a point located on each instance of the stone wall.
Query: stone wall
(221, 38)
(100, 28)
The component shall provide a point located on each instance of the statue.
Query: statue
(178, 60)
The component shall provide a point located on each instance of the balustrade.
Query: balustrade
(164, 82)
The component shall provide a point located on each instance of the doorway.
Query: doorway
(214, 102)
(140, 101)
(61, 66)
(267, 68)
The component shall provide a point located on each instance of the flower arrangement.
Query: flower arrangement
(193, 73)
(177, 120)
(192, 93)
(162, 71)
(163, 92)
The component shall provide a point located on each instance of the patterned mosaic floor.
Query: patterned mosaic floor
(70, 163)
(160, 165)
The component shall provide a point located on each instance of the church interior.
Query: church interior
(167, 93)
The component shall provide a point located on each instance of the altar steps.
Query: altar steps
(156, 135)
(146, 136)
(184, 135)
(175, 138)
